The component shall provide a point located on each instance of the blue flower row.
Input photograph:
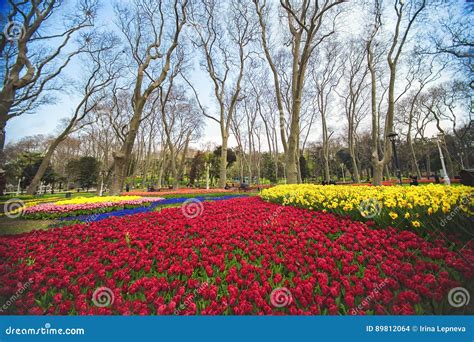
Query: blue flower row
(139, 210)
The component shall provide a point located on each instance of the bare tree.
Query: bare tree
(223, 47)
(354, 97)
(247, 128)
(442, 103)
(182, 124)
(451, 37)
(422, 71)
(260, 96)
(103, 69)
(326, 74)
(145, 28)
(33, 56)
(406, 15)
(152, 129)
(306, 25)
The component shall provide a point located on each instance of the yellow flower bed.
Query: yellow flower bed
(408, 206)
(96, 199)
(20, 204)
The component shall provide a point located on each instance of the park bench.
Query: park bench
(257, 187)
(160, 189)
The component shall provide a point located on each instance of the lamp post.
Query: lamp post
(343, 175)
(102, 174)
(460, 155)
(18, 190)
(393, 137)
(441, 157)
(207, 166)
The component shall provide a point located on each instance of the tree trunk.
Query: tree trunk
(250, 169)
(241, 166)
(250, 128)
(122, 158)
(327, 175)
(120, 167)
(428, 164)
(292, 152)
(160, 172)
(43, 166)
(291, 170)
(148, 159)
(298, 169)
(183, 161)
(376, 169)
(325, 148)
(378, 173)
(387, 172)
(174, 170)
(223, 162)
(298, 165)
(6, 101)
(352, 152)
(355, 168)
(3, 123)
(414, 163)
(449, 161)
(276, 156)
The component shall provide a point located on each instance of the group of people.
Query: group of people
(414, 179)
(242, 185)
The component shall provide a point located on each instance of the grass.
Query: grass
(159, 208)
(17, 226)
(10, 226)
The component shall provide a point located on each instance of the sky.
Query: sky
(46, 119)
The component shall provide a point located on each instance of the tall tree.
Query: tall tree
(422, 70)
(326, 74)
(406, 15)
(182, 124)
(145, 27)
(33, 56)
(354, 97)
(307, 25)
(224, 46)
(101, 68)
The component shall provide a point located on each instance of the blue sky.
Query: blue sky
(46, 118)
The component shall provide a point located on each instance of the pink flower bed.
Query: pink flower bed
(52, 208)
